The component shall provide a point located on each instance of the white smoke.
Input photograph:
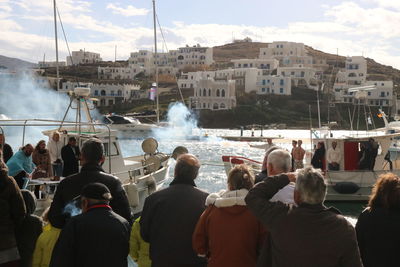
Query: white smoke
(24, 96)
(181, 124)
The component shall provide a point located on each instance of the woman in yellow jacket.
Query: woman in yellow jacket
(45, 244)
(139, 249)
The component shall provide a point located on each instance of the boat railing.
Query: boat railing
(50, 123)
(133, 173)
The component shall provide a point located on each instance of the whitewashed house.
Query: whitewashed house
(83, 57)
(213, 95)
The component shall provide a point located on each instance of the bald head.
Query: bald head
(187, 167)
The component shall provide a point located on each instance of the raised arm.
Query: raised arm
(257, 200)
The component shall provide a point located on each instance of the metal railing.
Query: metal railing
(49, 123)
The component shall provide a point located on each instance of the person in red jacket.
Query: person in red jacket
(227, 233)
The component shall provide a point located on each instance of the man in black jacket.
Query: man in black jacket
(98, 237)
(309, 234)
(170, 215)
(70, 156)
(92, 157)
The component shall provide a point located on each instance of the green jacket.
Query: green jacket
(44, 246)
(139, 249)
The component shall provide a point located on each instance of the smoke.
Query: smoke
(181, 124)
(24, 96)
(71, 209)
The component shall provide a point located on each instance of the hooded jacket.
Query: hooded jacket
(20, 162)
(45, 245)
(12, 210)
(28, 232)
(306, 235)
(227, 232)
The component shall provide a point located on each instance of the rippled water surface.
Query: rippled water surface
(212, 176)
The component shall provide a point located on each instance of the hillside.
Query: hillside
(14, 63)
(225, 53)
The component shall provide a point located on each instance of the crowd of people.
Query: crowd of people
(279, 221)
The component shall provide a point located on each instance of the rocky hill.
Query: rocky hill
(14, 63)
(225, 53)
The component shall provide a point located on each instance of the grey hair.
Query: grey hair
(311, 185)
(280, 159)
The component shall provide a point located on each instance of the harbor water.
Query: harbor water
(212, 176)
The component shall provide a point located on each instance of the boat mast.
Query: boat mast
(55, 33)
(155, 59)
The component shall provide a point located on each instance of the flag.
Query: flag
(153, 91)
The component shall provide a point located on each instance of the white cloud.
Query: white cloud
(46, 6)
(129, 11)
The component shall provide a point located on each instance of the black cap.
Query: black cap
(96, 191)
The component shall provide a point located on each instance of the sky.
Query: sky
(358, 27)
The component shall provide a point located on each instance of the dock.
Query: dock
(247, 138)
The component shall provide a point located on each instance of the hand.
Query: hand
(292, 176)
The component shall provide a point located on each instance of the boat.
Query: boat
(140, 175)
(129, 126)
(349, 183)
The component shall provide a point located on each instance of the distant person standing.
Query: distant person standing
(373, 146)
(70, 156)
(7, 150)
(41, 158)
(20, 165)
(294, 145)
(92, 157)
(298, 155)
(170, 216)
(55, 145)
(333, 157)
(318, 158)
(97, 237)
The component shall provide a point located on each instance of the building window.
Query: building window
(369, 93)
(267, 89)
(112, 92)
(282, 82)
(382, 94)
(387, 102)
(209, 92)
(223, 93)
(103, 92)
(215, 106)
(387, 93)
(204, 92)
(96, 92)
(217, 92)
(222, 106)
(302, 74)
(262, 89)
(263, 82)
(204, 105)
(281, 90)
(371, 102)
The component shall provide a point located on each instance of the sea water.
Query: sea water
(212, 176)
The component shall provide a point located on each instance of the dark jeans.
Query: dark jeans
(333, 167)
(57, 169)
(19, 178)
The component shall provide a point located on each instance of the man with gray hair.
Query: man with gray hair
(308, 234)
(92, 157)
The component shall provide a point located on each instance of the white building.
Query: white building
(281, 49)
(146, 60)
(50, 64)
(259, 63)
(119, 73)
(195, 56)
(214, 95)
(300, 75)
(277, 85)
(83, 57)
(106, 94)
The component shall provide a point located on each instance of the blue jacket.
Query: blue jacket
(20, 162)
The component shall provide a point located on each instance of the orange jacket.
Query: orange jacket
(227, 233)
